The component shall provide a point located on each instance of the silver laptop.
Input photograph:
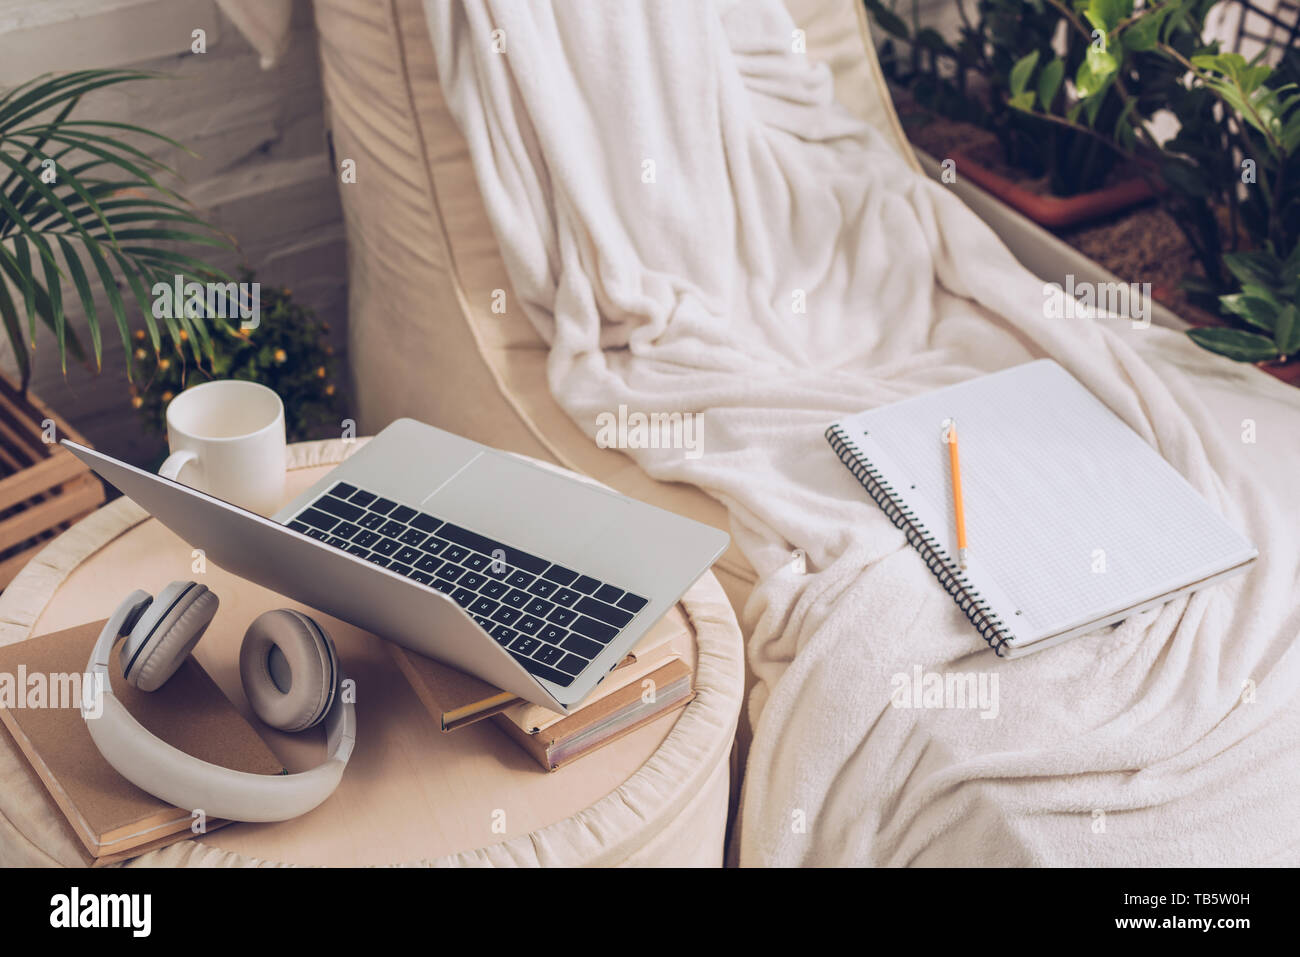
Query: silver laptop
(536, 582)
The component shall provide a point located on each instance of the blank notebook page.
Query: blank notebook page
(1070, 516)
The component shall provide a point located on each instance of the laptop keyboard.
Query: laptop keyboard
(552, 619)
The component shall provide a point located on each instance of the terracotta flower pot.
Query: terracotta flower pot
(1055, 212)
(1288, 372)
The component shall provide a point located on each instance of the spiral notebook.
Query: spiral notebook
(1073, 521)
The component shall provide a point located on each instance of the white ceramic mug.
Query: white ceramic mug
(227, 439)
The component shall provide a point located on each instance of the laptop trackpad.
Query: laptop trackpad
(529, 507)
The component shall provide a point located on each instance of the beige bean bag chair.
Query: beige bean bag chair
(434, 330)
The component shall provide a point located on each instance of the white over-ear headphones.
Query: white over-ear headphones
(290, 674)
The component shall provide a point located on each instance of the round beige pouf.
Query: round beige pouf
(411, 795)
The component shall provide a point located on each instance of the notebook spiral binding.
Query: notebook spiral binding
(990, 626)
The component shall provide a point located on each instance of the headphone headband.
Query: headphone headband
(123, 619)
(181, 779)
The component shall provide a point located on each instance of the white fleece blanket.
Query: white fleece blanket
(694, 225)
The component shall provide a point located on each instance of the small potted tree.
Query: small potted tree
(1055, 174)
(81, 209)
(1228, 179)
(289, 352)
(1233, 168)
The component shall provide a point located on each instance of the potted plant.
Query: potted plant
(1229, 179)
(1232, 168)
(80, 205)
(290, 353)
(1053, 173)
(81, 208)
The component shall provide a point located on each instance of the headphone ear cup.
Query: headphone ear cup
(166, 633)
(289, 669)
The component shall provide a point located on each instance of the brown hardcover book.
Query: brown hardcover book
(114, 819)
(604, 720)
(456, 699)
(533, 718)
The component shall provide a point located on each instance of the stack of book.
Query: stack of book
(654, 679)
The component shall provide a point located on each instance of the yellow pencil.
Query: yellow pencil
(958, 509)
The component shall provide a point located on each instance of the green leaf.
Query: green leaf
(1267, 110)
(54, 289)
(176, 261)
(39, 145)
(1105, 15)
(1234, 343)
(44, 308)
(8, 97)
(1286, 331)
(1049, 82)
(1102, 63)
(126, 128)
(45, 191)
(1252, 78)
(13, 213)
(1262, 292)
(1122, 123)
(1291, 133)
(200, 340)
(128, 215)
(81, 138)
(1021, 72)
(116, 189)
(1229, 93)
(1095, 72)
(61, 89)
(1085, 84)
(167, 235)
(888, 20)
(109, 157)
(1023, 101)
(931, 39)
(1258, 312)
(115, 303)
(1092, 105)
(1230, 65)
(45, 211)
(1124, 134)
(155, 274)
(83, 292)
(143, 298)
(24, 262)
(1290, 268)
(1256, 267)
(1144, 32)
(10, 317)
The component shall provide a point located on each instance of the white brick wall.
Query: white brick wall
(263, 173)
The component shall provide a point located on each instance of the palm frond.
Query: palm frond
(92, 209)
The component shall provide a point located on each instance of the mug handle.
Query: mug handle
(171, 468)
